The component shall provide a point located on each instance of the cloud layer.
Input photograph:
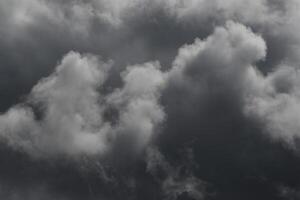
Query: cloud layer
(149, 99)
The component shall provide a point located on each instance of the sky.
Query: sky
(149, 100)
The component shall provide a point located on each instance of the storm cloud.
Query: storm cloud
(149, 99)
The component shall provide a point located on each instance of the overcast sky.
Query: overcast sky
(149, 99)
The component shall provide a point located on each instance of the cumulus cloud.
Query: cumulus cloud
(227, 53)
(225, 63)
(138, 101)
(213, 76)
(71, 122)
(275, 101)
(213, 68)
(69, 112)
(149, 30)
(72, 109)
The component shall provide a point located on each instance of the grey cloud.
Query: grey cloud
(275, 101)
(72, 120)
(288, 193)
(224, 83)
(149, 30)
(174, 184)
(216, 66)
(141, 92)
(224, 62)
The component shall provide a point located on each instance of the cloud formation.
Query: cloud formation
(275, 101)
(71, 117)
(153, 99)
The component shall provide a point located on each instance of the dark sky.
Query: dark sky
(149, 100)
